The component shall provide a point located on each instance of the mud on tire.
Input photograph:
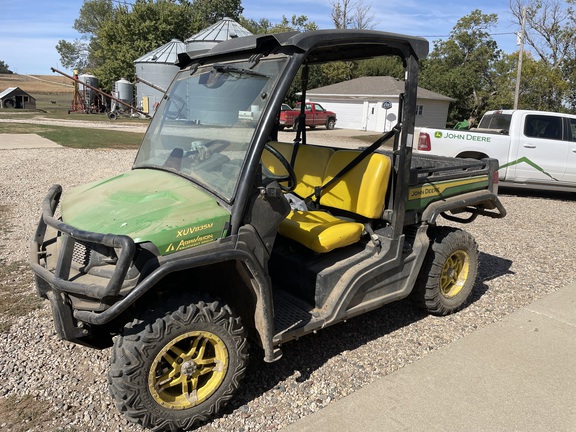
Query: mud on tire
(448, 273)
(178, 365)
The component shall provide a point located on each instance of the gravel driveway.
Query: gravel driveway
(524, 256)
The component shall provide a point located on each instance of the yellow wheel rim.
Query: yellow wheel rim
(454, 274)
(188, 370)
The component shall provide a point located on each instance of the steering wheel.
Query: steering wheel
(290, 177)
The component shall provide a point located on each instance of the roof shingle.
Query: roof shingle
(372, 86)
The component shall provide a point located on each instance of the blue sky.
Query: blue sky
(30, 29)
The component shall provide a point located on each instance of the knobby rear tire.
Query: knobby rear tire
(448, 273)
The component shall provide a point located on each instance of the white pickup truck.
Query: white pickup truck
(535, 149)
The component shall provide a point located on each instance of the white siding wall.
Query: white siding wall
(358, 114)
(434, 115)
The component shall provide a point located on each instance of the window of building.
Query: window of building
(419, 109)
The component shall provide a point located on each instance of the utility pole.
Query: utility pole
(520, 57)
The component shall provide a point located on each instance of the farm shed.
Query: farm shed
(371, 103)
(15, 97)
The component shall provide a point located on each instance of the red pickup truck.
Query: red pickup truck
(316, 115)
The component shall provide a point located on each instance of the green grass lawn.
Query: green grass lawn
(56, 106)
(77, 137)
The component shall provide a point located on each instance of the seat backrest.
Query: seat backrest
(362, 190)
(309, 166)
(174, 160)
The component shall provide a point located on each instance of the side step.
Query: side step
(291, 316)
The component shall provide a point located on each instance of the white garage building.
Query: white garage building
(371, 103)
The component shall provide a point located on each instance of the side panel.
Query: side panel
(457, 142)
(570, 175)
(540, 153)
(421, 195)
(320, 116)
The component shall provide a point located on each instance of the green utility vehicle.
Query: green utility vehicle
(221, 235)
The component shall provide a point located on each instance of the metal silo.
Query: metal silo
(124, 91)
(89, 95)
(159, 68)
(206, 39)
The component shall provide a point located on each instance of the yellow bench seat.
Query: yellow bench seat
(361, 191)
(320, 231)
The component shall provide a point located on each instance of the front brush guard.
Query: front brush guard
(60, 278)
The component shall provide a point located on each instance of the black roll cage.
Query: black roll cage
(317, 47)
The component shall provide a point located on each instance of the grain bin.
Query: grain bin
(159, 68)
(88, 95)
(124, 90)
(208, 38)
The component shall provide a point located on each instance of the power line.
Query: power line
(445, 36)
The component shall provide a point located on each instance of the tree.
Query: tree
(383, 66)
(541, 87)
(261, 26)
(207, 12)
(264, 25)
(93, 14)
(135, 31)
(462, 67)
(550, 28)
(4, 68)
(73, 55)
(296, 23)
(347, 14)
(77, 54)
(550, 34)
(351, 14)
(114, 33)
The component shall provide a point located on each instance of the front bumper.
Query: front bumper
(53, 260)
(76, 269)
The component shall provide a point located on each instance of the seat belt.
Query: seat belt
(318, 189)
(301, 131)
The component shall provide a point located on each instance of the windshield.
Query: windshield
(496, 121)
(204, 126)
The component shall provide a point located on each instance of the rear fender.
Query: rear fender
(484, 203)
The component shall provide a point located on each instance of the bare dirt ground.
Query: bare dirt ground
(37, 84)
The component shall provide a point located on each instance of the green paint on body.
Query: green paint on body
(419, 197)
(534, 165)
(149, 206)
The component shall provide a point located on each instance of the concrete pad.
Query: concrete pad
(560, 305)
(25, 141)
(514, 375)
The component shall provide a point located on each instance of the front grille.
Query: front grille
(82, 252)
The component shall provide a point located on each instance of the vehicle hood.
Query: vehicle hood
(149, 206)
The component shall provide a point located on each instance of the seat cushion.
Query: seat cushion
(361, 190)
(308, 167)
(320, 231)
